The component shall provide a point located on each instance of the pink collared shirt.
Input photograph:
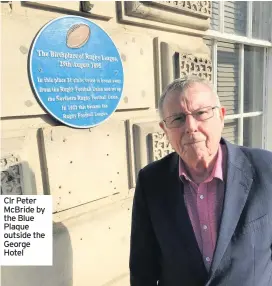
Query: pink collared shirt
(204, 205)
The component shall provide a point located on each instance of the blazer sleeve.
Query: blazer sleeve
(143, 262)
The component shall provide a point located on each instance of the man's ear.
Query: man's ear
(222, 112)
(162, 126)
(222, 115)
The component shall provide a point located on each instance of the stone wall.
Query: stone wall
(91, 173)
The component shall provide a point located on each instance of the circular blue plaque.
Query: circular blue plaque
(76, 71)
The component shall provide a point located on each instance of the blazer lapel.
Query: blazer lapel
(238, 183)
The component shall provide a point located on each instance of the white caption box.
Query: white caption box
(26, 230)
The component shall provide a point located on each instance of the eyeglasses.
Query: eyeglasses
(178, 120)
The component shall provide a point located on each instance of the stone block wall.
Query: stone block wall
(91, 173)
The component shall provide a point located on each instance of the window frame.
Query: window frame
(214, 37)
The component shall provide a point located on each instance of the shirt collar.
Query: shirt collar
(217, 171)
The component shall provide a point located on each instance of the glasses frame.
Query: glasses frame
(192, 113)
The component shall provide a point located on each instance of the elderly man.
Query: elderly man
(203, 214)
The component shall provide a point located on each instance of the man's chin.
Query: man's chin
(197, 147)
(197, 155)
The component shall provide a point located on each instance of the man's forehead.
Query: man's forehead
(197, 93)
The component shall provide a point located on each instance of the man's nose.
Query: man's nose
(190, 124)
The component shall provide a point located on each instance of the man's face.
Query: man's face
(195, 141)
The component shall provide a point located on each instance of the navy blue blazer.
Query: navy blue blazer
(164, 250)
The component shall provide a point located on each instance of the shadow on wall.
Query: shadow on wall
(60, 274)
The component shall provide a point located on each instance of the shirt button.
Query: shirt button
(205, 227)
(201, 197)
(208, 259)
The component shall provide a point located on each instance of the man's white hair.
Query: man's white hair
(180, 85)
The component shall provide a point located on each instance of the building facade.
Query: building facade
(91, 173)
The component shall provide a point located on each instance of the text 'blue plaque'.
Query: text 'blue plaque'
(76, 72)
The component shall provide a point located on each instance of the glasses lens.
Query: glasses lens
(203, 114)
(176, 121)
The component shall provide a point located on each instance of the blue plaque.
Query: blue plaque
(76, 71)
